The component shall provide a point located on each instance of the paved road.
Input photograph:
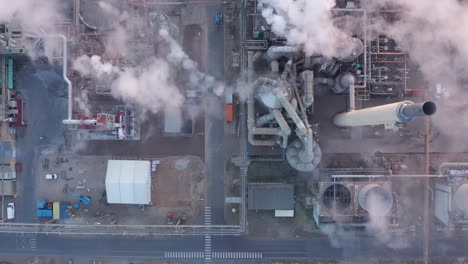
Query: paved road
(214, 120)
(319, 248)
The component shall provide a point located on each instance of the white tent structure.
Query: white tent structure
(128, 182)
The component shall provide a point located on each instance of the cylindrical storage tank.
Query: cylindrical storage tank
(336, 197)
(264, 92)
(461, 198)
(295, 156)
(355, 48)
(342, 83)
(375, 199)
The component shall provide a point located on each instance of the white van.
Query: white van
(52, 176)
(11, 211)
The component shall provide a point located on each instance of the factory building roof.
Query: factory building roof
(270, 196)
(128, 181)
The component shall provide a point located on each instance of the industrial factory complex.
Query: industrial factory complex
(224, 131)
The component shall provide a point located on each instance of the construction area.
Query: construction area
(90, 194)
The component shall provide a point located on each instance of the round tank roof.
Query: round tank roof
(354, 49)
(373, 197)
(336, 197)
(264, 91)
(461, 198)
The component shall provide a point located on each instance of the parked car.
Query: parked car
(11, 211)
(51, 176)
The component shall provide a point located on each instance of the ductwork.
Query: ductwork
(308, 85)
(286, 130)
(276, 52)
(264, 119)
(90, 122)
(69, 120)
(301, 129)
(287, 70)
(388, 114)
(274, 66)
(252, 130)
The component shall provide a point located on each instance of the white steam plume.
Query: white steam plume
(307, 24)
(32, 15)
(379, 225)
(435, 33)
(151, 88)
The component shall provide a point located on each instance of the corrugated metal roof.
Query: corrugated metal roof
(128, 181)
(270, 196)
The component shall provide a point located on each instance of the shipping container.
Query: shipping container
(56, 210)
(41, 203)
(60, 210)
(228, 113)
(44, 213)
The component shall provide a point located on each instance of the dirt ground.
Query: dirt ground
(179, 186)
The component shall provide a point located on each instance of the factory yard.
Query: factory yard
(178, 186)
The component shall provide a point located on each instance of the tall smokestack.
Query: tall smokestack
(388, 114)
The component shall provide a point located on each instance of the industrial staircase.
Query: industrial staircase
(362, 93)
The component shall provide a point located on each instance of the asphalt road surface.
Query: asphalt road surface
(214, 120)
(318, 248)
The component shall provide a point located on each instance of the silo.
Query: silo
(374, 195)
(461, 198)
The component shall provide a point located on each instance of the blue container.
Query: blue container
(44, 213)
(41, 203)
(63, 210)
(76, 206)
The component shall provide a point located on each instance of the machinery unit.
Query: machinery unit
(451, 194)
(11, 39)
(121, 124)
(285, 80)
(353, 201)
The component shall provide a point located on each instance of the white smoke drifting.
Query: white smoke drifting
(32, 15)
(151, 88)
(307, 24)
(379, 225)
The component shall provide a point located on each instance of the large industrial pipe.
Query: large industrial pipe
(291, 112)
(388, 114)
(411, 111)
(69, 120)
(264, 119)
(64, 74)
(281, 122)
(276, 52)
(252, 130)
(308, 81)
(308, 152)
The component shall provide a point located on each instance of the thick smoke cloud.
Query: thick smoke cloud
(32, 15)
(307, 24)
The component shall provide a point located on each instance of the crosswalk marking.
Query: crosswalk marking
(207, 215)
(208, 254)
(184, 254)
(237, 255)
(33, 243)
